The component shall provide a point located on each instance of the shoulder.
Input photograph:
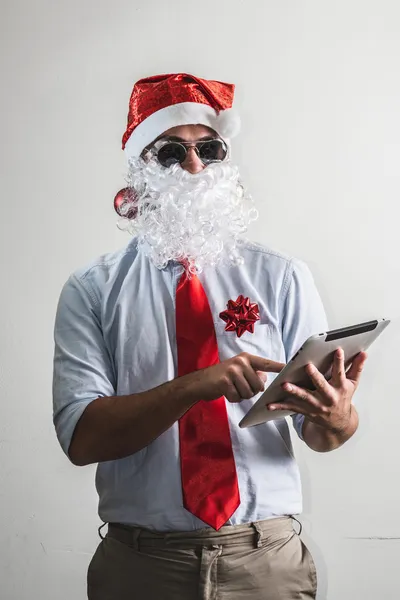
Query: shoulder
(273, 262)
(108, 261)
(265, 253)
(91, 277)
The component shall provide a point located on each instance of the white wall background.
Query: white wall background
(319, 91)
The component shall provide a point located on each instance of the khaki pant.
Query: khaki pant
(262, 561)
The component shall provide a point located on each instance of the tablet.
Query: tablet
(319, 349)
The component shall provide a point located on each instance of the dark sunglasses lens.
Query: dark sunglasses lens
(212, 151)
(170, 154)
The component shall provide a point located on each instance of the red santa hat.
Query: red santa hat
(164, 101)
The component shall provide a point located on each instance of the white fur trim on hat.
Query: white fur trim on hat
(226, 124)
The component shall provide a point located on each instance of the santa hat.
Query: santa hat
(164, 101)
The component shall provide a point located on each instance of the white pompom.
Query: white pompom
(228, 123)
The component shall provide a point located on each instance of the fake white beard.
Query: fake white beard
(199, 219)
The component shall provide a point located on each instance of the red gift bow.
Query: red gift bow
(241, 315)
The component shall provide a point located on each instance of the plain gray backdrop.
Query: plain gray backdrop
(319, 93)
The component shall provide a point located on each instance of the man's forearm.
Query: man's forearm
(321, 439)
(118, 426)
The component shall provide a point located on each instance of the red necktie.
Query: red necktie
(209, 481)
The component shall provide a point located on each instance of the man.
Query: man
(160, 351)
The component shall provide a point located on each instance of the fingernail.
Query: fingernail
(271, 407)
(287, 387)
(311, 368)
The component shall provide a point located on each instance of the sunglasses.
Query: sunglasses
(170, 152)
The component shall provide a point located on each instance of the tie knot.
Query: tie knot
(190, 267)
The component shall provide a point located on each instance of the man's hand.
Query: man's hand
(329, 407)
(237, 378)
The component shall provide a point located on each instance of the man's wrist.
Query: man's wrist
(324, 438)
(188, 389)
(349, 428)
(345, 425)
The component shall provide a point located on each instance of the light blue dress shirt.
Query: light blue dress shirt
(115, 335)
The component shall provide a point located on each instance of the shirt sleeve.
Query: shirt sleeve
(303, 316)
(82, 368)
